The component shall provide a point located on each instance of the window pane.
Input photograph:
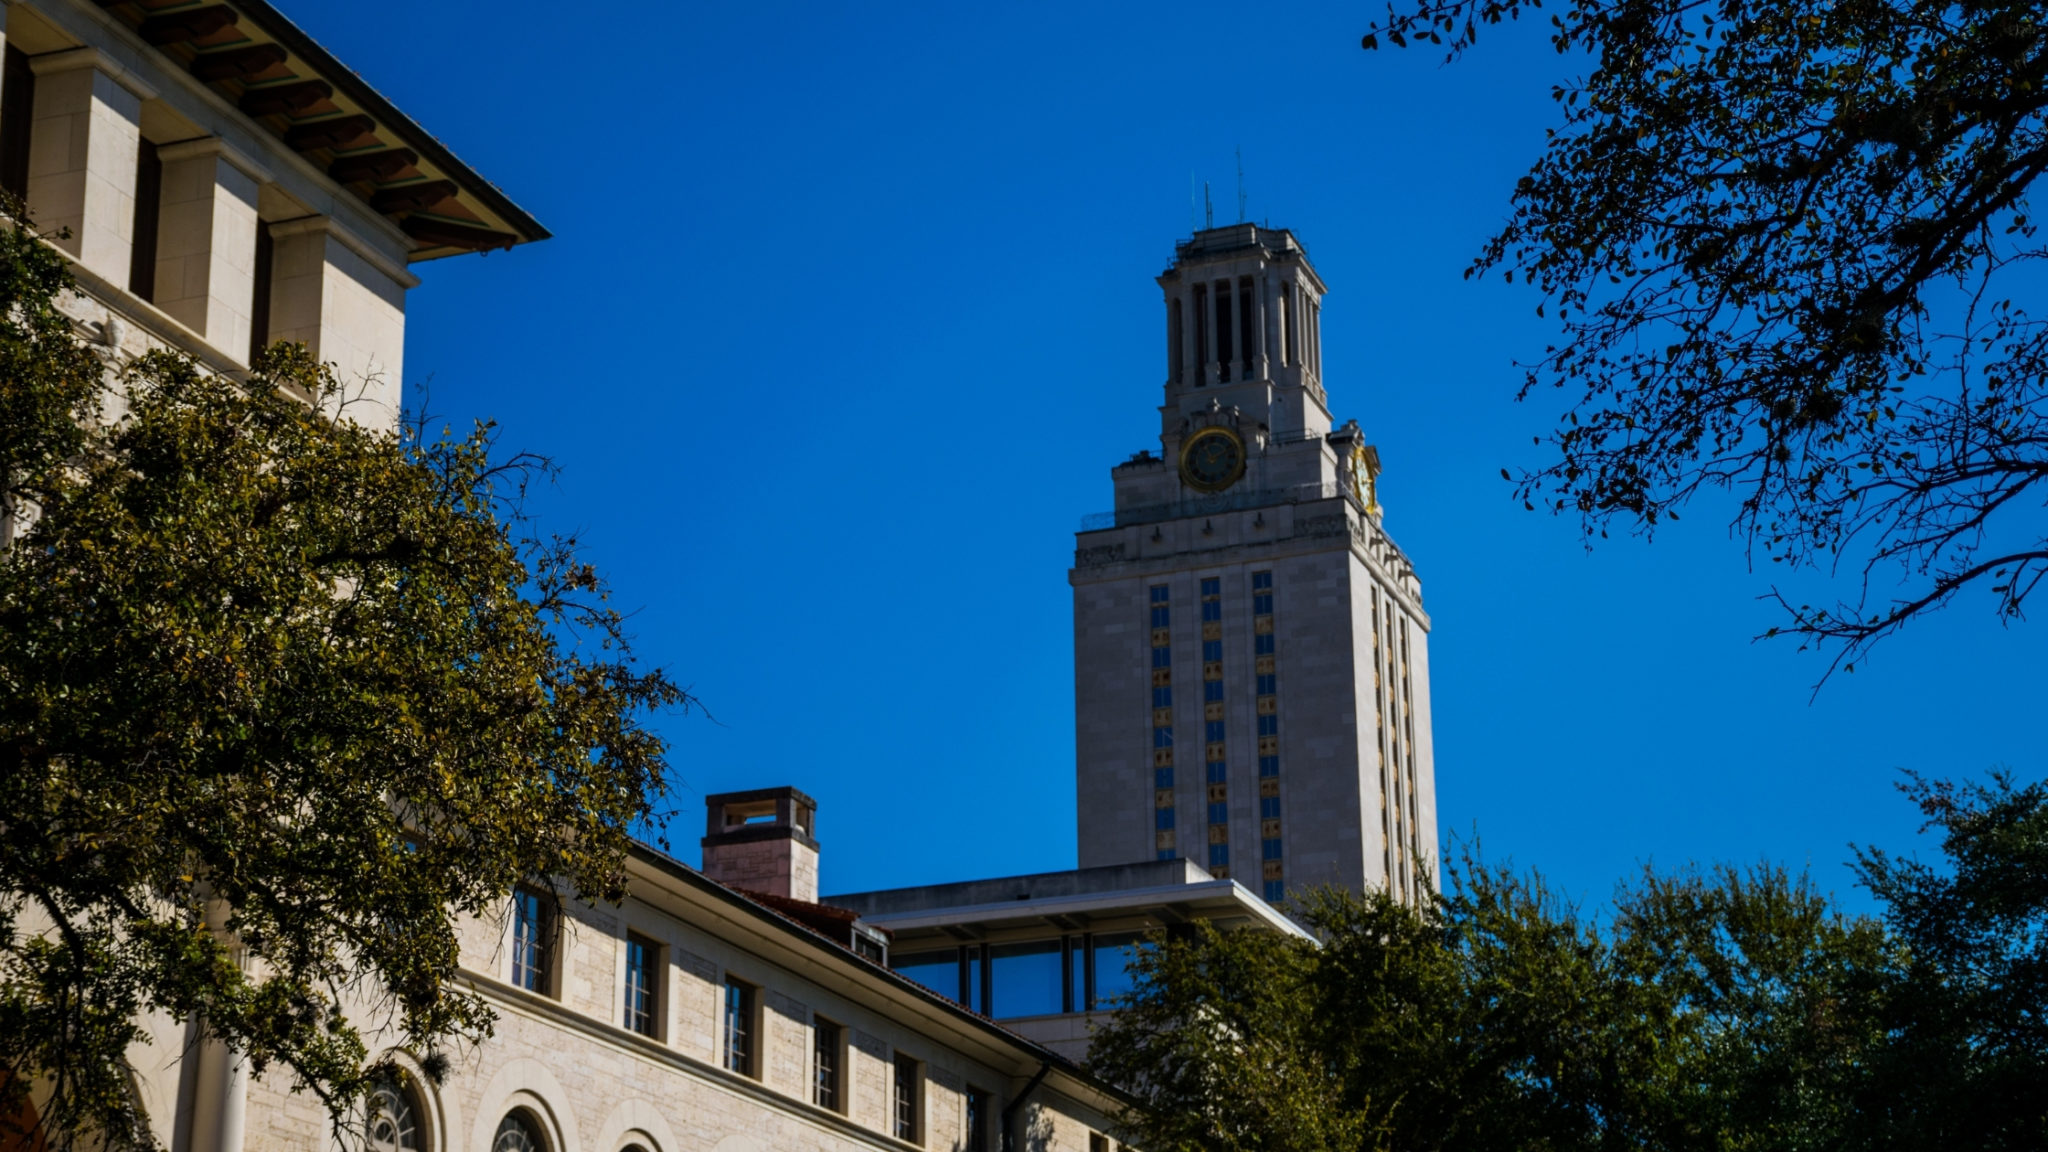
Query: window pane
(1026, 981)
(1113, 956)
(938, 971)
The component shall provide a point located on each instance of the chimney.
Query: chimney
(761, 841)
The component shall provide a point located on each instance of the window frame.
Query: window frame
(545, 942)
(906, 1104)
(655, 968)
(821, 1029)
(748, 1021)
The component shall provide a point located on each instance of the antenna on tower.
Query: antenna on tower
(1240, 185)
(1194, 211)
(1208, 207)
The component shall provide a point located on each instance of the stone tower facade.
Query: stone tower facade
(1251, 652)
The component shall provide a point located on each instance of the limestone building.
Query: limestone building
(227, 183)
(1251, 659)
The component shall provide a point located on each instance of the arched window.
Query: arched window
(394, 1119)
(517, 1132)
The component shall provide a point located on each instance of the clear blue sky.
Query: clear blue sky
(850, 308)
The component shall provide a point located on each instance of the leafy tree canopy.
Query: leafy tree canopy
(281, 698)
(1789, 248)
(1713, 1010)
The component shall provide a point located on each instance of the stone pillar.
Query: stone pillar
(206, 242)
(1261, 289)
(82, 152)
(345, 302)
(220, 1086)
(1269, 300)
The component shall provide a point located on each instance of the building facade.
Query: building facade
(1251, 667)
(225, 183)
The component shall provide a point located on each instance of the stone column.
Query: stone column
(206, 241)
(82, 153)
(345, 301)
(1262, 324)
(1269, 299)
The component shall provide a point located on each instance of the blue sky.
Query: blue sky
(850, 309)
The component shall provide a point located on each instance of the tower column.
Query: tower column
(83, 151)
(1261, 366)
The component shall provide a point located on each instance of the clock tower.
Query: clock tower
(1251, 653)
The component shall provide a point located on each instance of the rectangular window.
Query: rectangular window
(1276, 891)
(907, 1092)
(1219, 855)
(1162, 818)
(1163, 657)
(1097, 1142)
(938, 971)
(1269, 765)
(1212, 610)
(1219, 813)
(1262, 644)
(1028, 979)
(1201, 310)
(1212, 691)
(974, 978)
(1262, 604)
(643, 980)
(1269, 807)
(825, 1065)
(1262, 580)
(1110, 968)
(1247, 323)
(149, 195)
(1162, 696)
(1267, 684)
(259, 300)
(1269, 849)
(17, 119)
(980, 1107)
(739, 1027)
(1162, 737)
(1212, 650)
(1219, 772)
(1162, 777)
(533, 940)
(1076, 988)
(1269, 725)
(1212, 730)
(1223, 348)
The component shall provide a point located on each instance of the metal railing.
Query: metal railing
(1211, 505)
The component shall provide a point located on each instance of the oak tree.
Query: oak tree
(282, 698)
(1789, 247)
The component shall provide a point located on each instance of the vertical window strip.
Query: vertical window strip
(532, 939)
(1216, 768)
(1161, 616)
(1266, 709)
(739, 1027)
(825, 1065)
(906, 1099)
(642, 974)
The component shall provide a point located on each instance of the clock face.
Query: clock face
(1212, 459)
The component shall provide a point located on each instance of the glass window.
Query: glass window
(1162, 696)
(906, 1099)
(1269, 765)
(642, 979)
(1167, 854)
(394, 1121)
(1262, 580)
(1159, 593)
(1269, 725)
(1212, 690)
(938, 971)
(1077, 963)
(1112, 963)
(1262, 604)
(1219, 813)
(533, 939)
(1162, 777)
(1276, 891)
(825, 1065)
(974, 978)
(1212, 610)
(739, 1027)
(1212, 587)
(1162, 657)
(980, 1106)
(1262, 644)
(1268, 684)
(1212, 650)
(518, 1133)
(1219, 855)
(1219, 772)
(1269, 807)
(1270, 849)
(1160, 616)
(1162, 737)
(1026, 979)
(1162, 818)
(1212, 730)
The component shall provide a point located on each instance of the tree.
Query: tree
(281, 698)
(1785, 243)
(1726, 1009)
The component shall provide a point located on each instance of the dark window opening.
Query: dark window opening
(533, 940)
(979, 1107)
(17, 118)
(1202, 333)
(825, 1065)
(1223, 346)
(1173, 353)
(906, 1111)
(1247, 322)
(643, 981)
(259, 303)
(149, 190)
